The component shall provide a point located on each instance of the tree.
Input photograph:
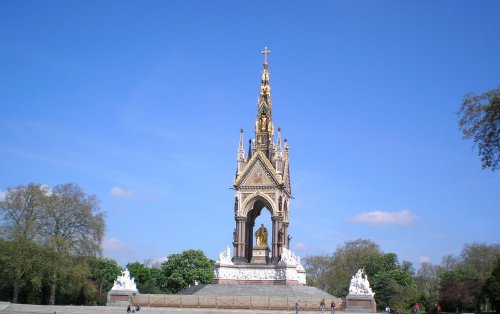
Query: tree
(480, 122)
(49, 235)
(460, 289)
(318, 271)
(347, 259)
(427, 282)
(72, 225)
(105, 273)
(182, 270)
(492, 289)
(21, 212)
(145, 277)
(481, 258)
(463, 280)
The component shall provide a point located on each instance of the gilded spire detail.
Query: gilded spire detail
(264, 128)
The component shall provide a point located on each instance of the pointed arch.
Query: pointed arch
(250, 201)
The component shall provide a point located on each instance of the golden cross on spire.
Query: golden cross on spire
(265, 52)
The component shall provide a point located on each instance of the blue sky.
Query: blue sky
(141, 103)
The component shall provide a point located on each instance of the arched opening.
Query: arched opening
(259, 214)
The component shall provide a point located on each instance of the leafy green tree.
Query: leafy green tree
(49, 236)
(427, 283)
(463, 280)
(393, 286)
(480, 122)
(182, 270)
(145, 277)
(347, 259)
(492, 288)
(460, 289)
(72, 225)
(318, 271)
(105, 272)
(481, 258)
(21, 212)
(23, 282)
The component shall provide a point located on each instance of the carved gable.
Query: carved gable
(257, 173)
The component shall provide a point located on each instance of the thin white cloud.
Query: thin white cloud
(118, 250)
(114, 245)
(378, 217)
(2, 195)
(118, 192)
(424, 260)
(300, 246)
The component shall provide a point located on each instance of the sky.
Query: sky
(141, 104)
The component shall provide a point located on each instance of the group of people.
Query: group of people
(415, 309)
(131, 309)
(321, 305)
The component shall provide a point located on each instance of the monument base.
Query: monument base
(258, 274)
(360, 303)
(261, 255)
(120, 297)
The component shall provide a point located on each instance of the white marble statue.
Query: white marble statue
(360, 285)
(225, 257)
(124, 282)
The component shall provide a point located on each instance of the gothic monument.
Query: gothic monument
(262, 182)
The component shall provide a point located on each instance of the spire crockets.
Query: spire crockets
(264, 129)
(241, 153)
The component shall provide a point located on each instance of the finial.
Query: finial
(279, 129)
(265, 52)
(241, 130)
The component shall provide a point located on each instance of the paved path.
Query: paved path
(59, 309)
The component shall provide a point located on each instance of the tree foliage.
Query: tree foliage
(492, 288)
(105, 272)
(463, 285)
(427, 282)
(392, 283)
(480, 122)
(145, 277)
(182, 270)
(50, 235)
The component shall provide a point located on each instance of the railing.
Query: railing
(229, 302)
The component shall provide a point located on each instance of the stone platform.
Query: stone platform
(360, 304)
(296, 292)
(60, 309)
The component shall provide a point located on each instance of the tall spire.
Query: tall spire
(264, 129)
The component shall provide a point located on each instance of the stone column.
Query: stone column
(239, 254)
(249, 241)
(274, 247)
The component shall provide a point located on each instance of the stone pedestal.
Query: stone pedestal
(120, 297)
(360, 303)
(255, 274)
(261, 255)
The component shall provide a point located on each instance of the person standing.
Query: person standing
(416, 308)
(322, 305)
(333, 307)
(297, 307)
